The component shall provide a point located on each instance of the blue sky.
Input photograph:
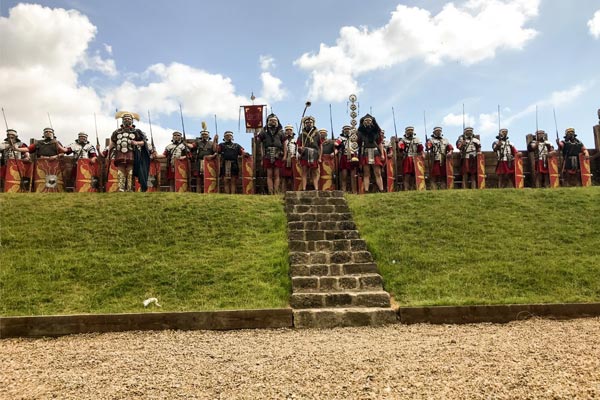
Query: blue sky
(416, 56)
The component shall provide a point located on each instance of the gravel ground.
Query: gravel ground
(526, 359)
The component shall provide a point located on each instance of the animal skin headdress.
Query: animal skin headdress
(121, 114)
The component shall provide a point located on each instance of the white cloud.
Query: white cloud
(555, 99)
(468, 34)
(43, 52)
(272, 88)
(266, 62)
(594, 25)
(488, 124)
(457, 120)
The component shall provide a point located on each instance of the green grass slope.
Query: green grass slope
(485, 247)
(103, 253)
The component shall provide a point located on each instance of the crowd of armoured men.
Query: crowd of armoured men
(357, 152)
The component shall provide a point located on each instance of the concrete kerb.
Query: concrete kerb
(59, 325)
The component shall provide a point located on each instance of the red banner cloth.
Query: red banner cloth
(254, 118)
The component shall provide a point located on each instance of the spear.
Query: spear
(21, 188)
(394, 148)
(4, 115)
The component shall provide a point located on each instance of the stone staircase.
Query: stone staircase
(335, 281)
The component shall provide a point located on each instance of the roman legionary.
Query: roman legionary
(271, 150)
(48, 147)
(349, 158)
(309, 148)
(176, 150)
(469, 146)
(439, 149)
(290, 154)
(9, 150)
(372, 156)
(132, 155)
(230, 170)
(328, 144)
(505, 153)
(541, 148)
(409, 147)
(202, 148)
(81, 150)
(571, 147)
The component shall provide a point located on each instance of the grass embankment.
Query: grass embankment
(105, 253)
(485, 247)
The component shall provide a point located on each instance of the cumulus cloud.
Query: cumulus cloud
(272, 89)
(467, 34)
(266, 62)
(594, 25)
(45, 50)
(457, 120)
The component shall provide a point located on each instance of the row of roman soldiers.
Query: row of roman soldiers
(310, 161)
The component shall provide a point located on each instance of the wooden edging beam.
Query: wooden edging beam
(59, 325)
(495, 313)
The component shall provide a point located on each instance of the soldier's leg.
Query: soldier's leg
(465, 181)
(270, 180)
(121, 178)
(315, 177)
(366, 177)
(276, 181)
(304, 177)
(233, 181)
(378, 177)
(343, 178)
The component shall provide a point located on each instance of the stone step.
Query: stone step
(343, 317)
(340, 283)
(327, 245)
(322, 226)
(319, 217)
(333, 269)
(323, 235)
(317, 201)
(306, 209)
(340, 299)
(336, 257)
(313, 194)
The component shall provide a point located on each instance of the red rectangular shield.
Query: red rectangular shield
(48, 176)
(326, 169)
(553, 170)
(248, 175)
(419, 162)
(480, 171)
(18, 177)
(182, 175)
(112, 181)
(519, 176)
(586, 172)
(390, 173)
(87, 177)
(449, 172)
(211, 175)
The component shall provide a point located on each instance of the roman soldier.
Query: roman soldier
(571, 147)
(230, 170)
(372, 155)
(48, 147)
(328, 144)
(202, 148)
(541, 148)
(439, 149)
(271, 150)
(505, 153)
(469, 147)
(409, 147)
(348, 160)
(310, 149)
(132, 155)
(289, 154)
(176, 150)
(82, 149)
(9, 149)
